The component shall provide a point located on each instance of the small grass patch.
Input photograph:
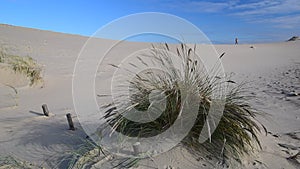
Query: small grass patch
(24, 65)
(90, 154)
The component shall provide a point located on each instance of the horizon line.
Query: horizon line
(214, 42)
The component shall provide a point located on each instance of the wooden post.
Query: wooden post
(45, 110)
(136, 148)
(70, 121)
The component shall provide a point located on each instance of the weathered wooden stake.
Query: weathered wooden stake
(45, 110)
(70, 121)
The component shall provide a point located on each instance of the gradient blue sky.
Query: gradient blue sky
(252, 21)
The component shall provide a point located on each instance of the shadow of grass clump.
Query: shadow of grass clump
(237, 132)
(24, 65)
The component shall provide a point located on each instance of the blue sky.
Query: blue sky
(252, 21)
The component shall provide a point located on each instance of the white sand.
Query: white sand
(273, 69)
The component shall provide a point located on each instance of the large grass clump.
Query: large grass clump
(237, 132)
(25, 65)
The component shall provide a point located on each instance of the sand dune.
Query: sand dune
(273, 71)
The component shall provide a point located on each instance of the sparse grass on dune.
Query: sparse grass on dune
(86, 155)
(90, 154)
(10, 162)
(24, 65)
(235, 136)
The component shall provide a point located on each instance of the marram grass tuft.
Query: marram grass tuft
(235, 136)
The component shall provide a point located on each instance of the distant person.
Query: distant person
(236, 41)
